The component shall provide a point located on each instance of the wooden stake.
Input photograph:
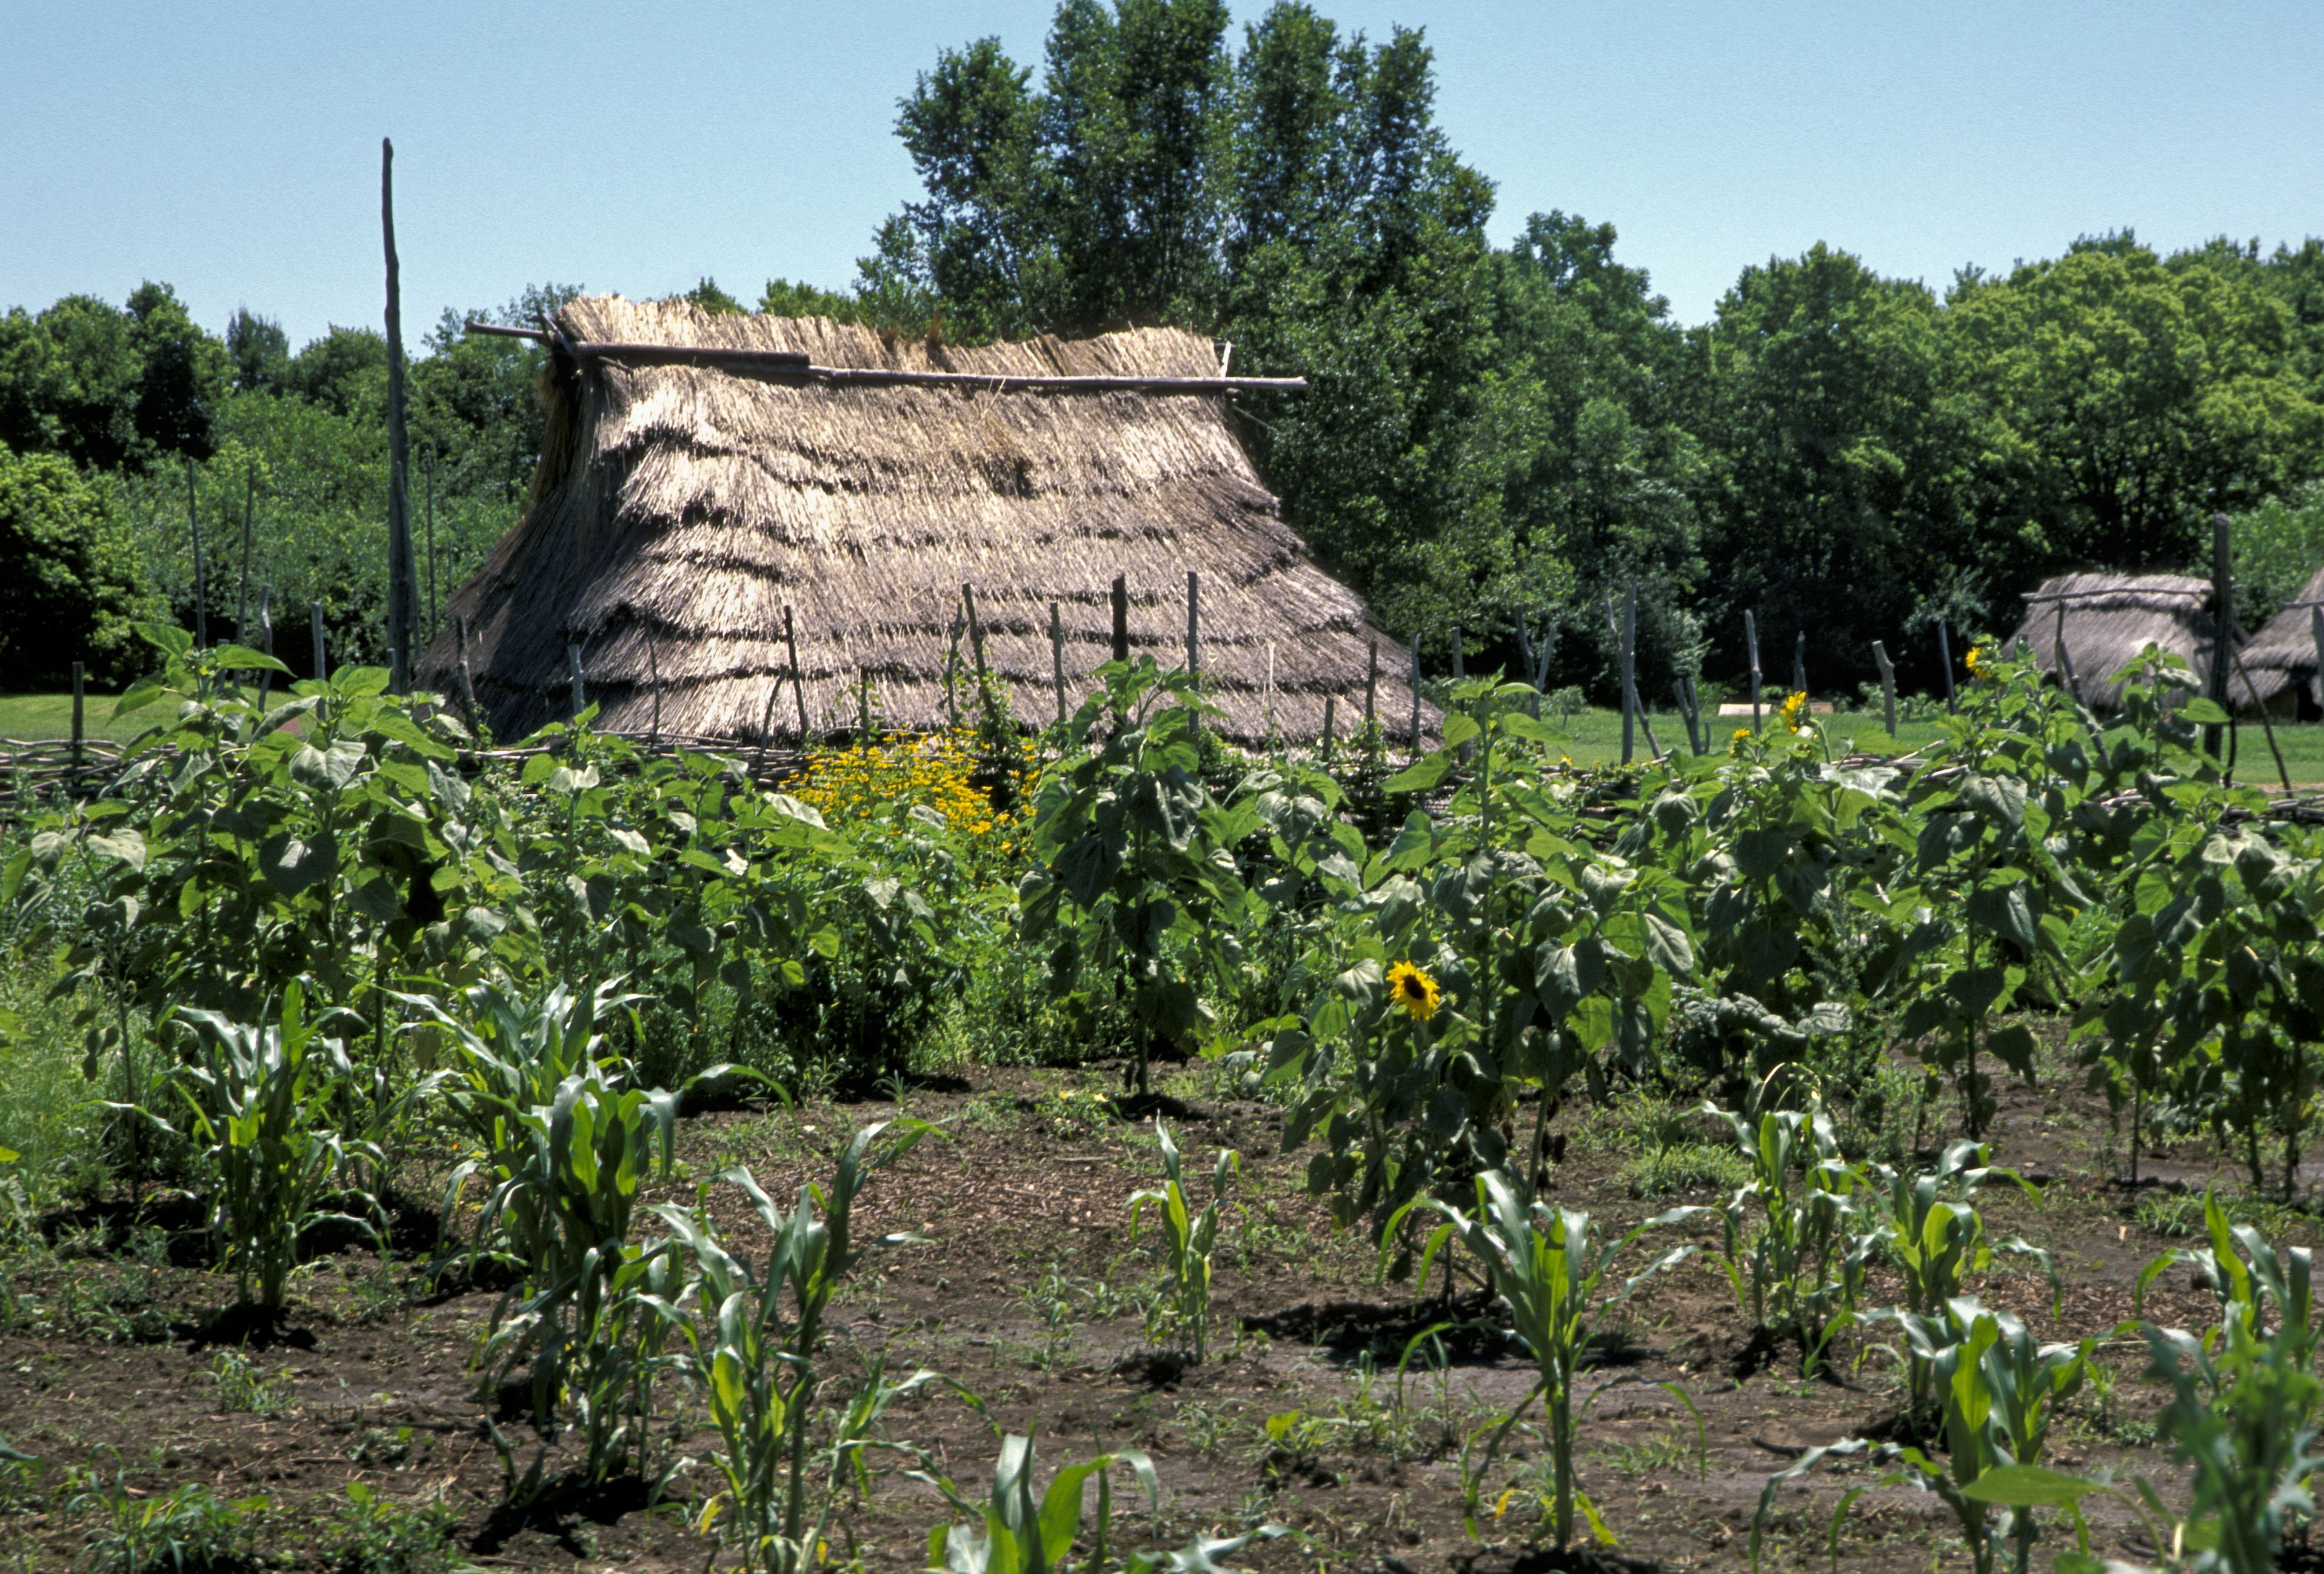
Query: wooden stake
(2223, 628)
(799, 682)
(1751, 642)
(315, 617)
(1629, 667)
(1686, 715)
(201, 583)
(1945, 658)
(1331, 725)
(1194, 623)
(1887, 683)
(2316, 633)
(766, 726)
(1416, 694)
(2066, 661)
(468, 676)
(1371, 685)
(1800, 662)
(2283, 771)
(242, 600)
(1460, 667)
(431, 553)
(580, 696)
(654, 668)
(1057, 657)
(266, 627)
(79, 673)
(403, 575)
(975, 635)
(1120, 618)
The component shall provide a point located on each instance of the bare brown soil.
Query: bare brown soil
(1027, 1295)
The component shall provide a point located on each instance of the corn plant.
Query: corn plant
(755, 1358)
(1925, 1227)
(1188, 1238)
(1798, 1269)
(261, 1102)
(2245, 1272)
(1013, 1531)
(1547, 1266)
(1999, 1391)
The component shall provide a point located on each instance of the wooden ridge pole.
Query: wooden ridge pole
(402, 578)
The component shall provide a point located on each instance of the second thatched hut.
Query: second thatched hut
(2279, 662)
(2084, 628)
(739, 522)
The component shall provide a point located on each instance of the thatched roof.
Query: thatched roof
(2280, 659)
(678, 510)
(2109, 619)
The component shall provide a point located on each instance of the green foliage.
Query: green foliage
(71, 583)
(1794, 1255)
(187, 1531)
(372, 1534)
(1188, 1239)
(1015, 1532)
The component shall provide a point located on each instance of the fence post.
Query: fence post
(1800, 662)
(1331, 724)
(2065, 659)
(1887, 683)
(315, 617)
(1416, 694)
(1629, 668)
(1945, 654)
(468, 676)
(80, 671)
(266, 627)
(2223, 628)
(1057, 657)
(1371, 688)
(1751, 644)
(653, 670)
(573, 660)
(1120, 618)
(798, 680)
(2316, 632)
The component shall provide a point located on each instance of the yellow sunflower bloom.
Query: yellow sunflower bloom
(1793, 707)
(1975, 662)
(1412, 991)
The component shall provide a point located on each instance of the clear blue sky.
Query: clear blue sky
(233, 150)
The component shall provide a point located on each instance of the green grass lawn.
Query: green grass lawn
(1597, 736)
(49, 715)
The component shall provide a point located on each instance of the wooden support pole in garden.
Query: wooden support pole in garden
(315, 621)
(1057, 657)
(653, 670)
(1945, 659)
(1194, 623)
(1120, 618)
(1887, 683)
(976, 634)
(1460, 663)
(80, 674)
(2065, 659)
(1800, 662)
(201, 583)
(2316, 633)
(799, 679)
(403, 572)
(1679, 688)
(1629, 668)
(1751, 646)
(766, 724)
(1371, 689)
(2283, 771)
(430, 639)
(242, 600)
(952, 672)
(1415, 696)
(266, 629)
(467, 675)
(1331, 725)
(2223, 628)
(573, 661)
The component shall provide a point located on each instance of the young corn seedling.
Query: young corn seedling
(1548, 1266)
(753, 1352)
(1999, 1391)
(1791, 1251)
(261, 1100)
(1184, 1309)
(1015, 1532)
(1924, 1226)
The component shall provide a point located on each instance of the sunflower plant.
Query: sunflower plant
(1481, 962)
(1134, 881)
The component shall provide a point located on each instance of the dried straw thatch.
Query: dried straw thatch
(2280, 660)
(678, 510)
(2106, 619)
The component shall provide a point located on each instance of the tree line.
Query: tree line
(1495, 437)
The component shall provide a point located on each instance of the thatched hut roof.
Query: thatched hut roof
(678, 509)
(2109, 619)
(2280, 659)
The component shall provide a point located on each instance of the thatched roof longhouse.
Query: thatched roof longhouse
(2109, 619)
(678, 509)
(2280, 660)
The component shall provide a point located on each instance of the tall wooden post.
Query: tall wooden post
(2316, 633)
(1057, 657)
(1800, 662)
(431, 553)
(1751, 646)
(653, 670)
(1371, 688)
(1331, 725)
(1945, 658)
(2065, 659)
(2223, 626)
(1887, 683)
(201, 580)
(975, 635)
(315, 618)
(242, 600)
(1415, 694)
(468, 676)
(402, 578)
(1120, 618)
(1194, 624)
(1629, 668)
(580, 694)
(79, 674)
(798, 680)
(1686, 715)
(1460, 663)
(266, 628)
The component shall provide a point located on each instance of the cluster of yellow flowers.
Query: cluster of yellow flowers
(933, 772)
(1975, 662)
(1793, 707)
